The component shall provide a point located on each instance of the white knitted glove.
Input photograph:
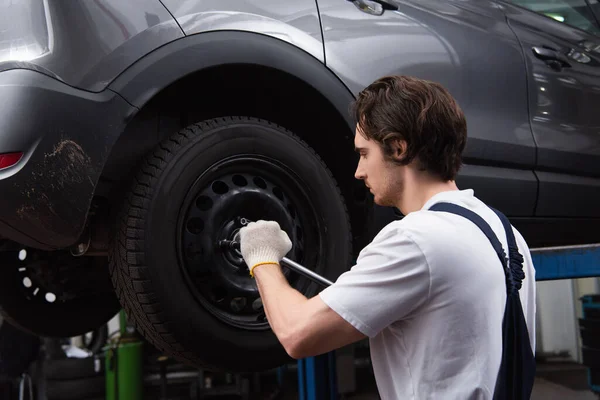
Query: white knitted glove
(263, 242)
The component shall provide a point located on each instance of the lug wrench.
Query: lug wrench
(294, 266)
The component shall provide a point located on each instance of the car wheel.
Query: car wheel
(54, 294)
(191, 299)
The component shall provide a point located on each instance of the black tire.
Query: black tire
(163, 283)
(94, 304)
(73, 368)
(76, 389)
(18, 350)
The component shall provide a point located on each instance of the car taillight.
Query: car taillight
(9, 159)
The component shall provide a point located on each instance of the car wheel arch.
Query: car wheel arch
(208, 55)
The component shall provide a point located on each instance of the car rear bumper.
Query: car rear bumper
(65, 135)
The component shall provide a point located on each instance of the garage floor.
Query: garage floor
(562, 381)
(547, 390)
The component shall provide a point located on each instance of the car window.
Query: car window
(575, 13)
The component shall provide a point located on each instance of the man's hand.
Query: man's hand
(263, 242)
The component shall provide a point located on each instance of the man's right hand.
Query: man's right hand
(263, 242)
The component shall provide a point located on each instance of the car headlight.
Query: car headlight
(24, 30)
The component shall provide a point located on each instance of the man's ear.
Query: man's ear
(399, 149)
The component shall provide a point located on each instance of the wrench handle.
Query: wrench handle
(293, 265)
(313, 276)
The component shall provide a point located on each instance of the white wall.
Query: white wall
(558, 310)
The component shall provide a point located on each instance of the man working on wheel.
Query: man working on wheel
(429, 291)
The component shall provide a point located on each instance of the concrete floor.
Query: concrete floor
(546, 390)
(562, 381)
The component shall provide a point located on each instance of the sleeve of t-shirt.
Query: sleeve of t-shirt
(390, 281)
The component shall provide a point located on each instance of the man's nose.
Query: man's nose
(359, 174)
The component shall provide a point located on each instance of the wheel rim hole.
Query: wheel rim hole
(260, 182)
(262, 317)
(50, 297)
(238, 304)
(278, 193)
(219, 294)
(204, 203)
(23, 255)
(195, 225)
(239, 180)
(27, 282)
(257, 304)
(220, 187)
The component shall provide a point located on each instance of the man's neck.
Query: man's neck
(419, 189)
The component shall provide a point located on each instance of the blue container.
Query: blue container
(589, 328)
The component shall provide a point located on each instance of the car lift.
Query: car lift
(317, 375)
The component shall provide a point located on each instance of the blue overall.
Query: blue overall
(517, 368)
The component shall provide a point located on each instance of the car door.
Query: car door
(561, 45)
(468, 47)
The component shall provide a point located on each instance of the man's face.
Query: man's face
(381, 176)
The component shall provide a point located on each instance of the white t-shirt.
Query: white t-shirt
(429, 292)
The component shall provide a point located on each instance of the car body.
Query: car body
(88, 89)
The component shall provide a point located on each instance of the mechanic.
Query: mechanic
(429, 291)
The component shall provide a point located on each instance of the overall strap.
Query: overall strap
(515, 261)
(480, 222)
(513, 267)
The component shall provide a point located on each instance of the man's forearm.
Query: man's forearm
(283, 305)
(305, 327)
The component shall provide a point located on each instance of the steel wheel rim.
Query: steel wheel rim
(214, 209)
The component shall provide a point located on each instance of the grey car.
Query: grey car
(135, 135)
